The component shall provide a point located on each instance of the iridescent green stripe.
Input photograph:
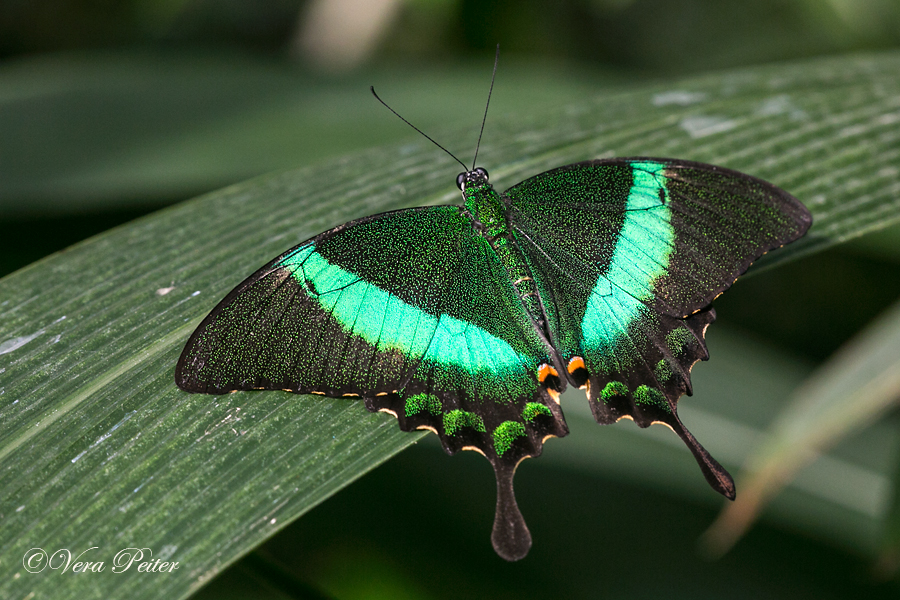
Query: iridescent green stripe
(390, 324)
(641, 256)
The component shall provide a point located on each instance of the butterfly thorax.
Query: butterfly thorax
(486, 209)
(488, 213)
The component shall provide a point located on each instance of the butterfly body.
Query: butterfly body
(469, 320)
(490, 216)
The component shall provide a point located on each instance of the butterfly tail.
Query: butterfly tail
(716, 475)
(612, 409)
(510, 536)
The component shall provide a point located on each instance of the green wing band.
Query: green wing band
(390, 324)
(641, 256)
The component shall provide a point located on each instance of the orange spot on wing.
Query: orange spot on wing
(545, 371)
(576, 363)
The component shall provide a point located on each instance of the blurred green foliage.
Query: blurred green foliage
(653, 36)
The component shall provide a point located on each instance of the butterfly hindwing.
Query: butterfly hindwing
(628, 254)
(412, 311)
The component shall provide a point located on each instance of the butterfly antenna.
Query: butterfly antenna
(484, 120)
(428, 137)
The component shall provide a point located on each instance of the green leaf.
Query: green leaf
(852, 390)
(100, 449)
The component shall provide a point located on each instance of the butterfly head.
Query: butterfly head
(476, 177)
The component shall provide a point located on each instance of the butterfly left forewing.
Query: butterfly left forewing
(303, 323)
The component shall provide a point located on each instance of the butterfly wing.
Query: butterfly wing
(410, 310)
(627, 255)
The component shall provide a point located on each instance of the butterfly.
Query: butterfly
(470, 320)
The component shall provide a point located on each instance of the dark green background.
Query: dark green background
(113, 109)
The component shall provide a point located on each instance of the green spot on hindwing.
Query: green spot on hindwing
(533, 409)
(505, 434)
(614, 389)
(679, 339)
(457, 419)
(649, 396)
(663, 370)
(421, 403)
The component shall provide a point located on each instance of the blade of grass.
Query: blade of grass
(888, 565)
(853, 389)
